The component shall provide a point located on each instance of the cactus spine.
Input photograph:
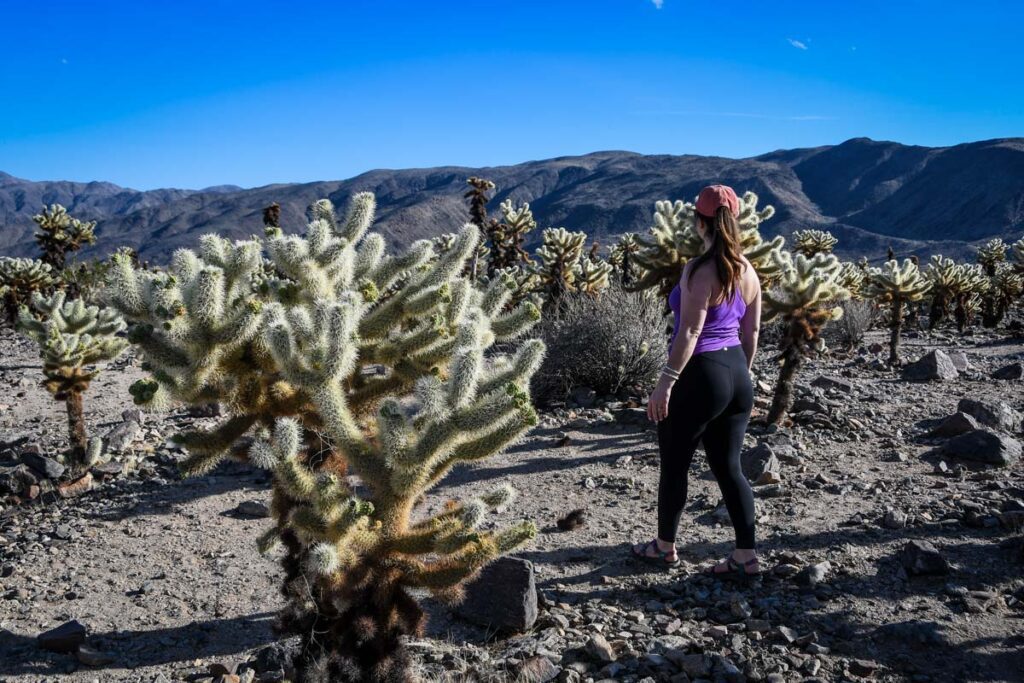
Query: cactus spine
(805, 299)
(291, 334)
(60, 234)
(71, 338)
(896, 286)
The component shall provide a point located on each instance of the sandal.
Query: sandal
(660, 559)
(734, 570)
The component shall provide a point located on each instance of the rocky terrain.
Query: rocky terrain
(869, 194)
(892, 550)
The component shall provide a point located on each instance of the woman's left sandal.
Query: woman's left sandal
(734, 570)
(658, 560)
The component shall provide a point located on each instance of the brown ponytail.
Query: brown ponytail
(724, 250)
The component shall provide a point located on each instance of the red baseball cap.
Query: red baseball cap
(714, 196)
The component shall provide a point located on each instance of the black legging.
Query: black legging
(711, 402)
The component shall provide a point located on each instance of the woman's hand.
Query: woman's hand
(657, 403)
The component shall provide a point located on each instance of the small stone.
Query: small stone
(921, 558)
(599, 648)
(503, 597)
(788, 634)
(253, 508)
(1013, 371)
(537, 669)
(694, 665)
(813, 575)
(65, 638)
(836, 383)
(862, 667)
(894, 519)
(716, 632)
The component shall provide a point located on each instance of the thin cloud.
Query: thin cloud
(658, 4)
(798, 44)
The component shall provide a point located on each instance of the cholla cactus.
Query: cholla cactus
(477, 196)
(954, 285)
(805, 299)
(811, 242)
(590, 276)
(19, 278)
(506, 237)
(558, 263)
(71, 338)
(991, 254)
(1004, 289)
(852, 277)
(623, 258)
(525, 285)
(896, 286)
(1017, 249)
(60, 233)
(673, 241)
(291, 334)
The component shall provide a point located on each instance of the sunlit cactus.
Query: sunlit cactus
(557, 264)
(812, 242)
(590, 276)
(897, 286)
(805, 299)
(507, 236)
(955, 289)
(19, 278)
(852, 277)
(60, 234)
(622, 258)
(673, 240)
(991, 254)
(524, 285)
(1004, 289)
(72, 338)
(332, 356)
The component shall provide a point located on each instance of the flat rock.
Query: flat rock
(960, 361)
(600, 649)
(935, 365)
(837, 383)
(90, 657)
(47, 467)
(253, 508)
(503, 597)
(956, 424)
(1012, 371)
(991, 413)
(984, 446)
(537, 669)
(65, 638)
(921, 558)
(121, 435)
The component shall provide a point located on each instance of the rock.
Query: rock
(537, 669)
(758, 460)
(600, 649)
(916, 631)
(956, 424)
(894, 519)
(960, 361)
(991, 413)
(921, 558)
(90, 657)
(935, 365)
(813, 575)
(47, 467)
(836, 383)
(65, 638)
(503, 597)
(584, 397)
(124, 433)
(275, 657)
(253, 508)
(76, 487)
(862, 667)
(696, 665)
(1011, 372)
(14, 480)
(984, 446)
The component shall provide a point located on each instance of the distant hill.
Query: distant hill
(870, 194)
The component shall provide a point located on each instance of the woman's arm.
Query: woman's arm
(750, 326)
(693, 310)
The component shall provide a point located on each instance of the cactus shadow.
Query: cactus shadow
(133, 649)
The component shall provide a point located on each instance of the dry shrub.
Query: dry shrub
(858, 317)
(608, 343)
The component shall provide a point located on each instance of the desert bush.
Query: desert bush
(857, 318)
(19, 279)
(607, 343)
(72, 338)
(332, 356)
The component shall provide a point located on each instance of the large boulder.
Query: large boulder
(934, 365)
(991, 413)
(984, 446)
(503, 597)
(956, 424)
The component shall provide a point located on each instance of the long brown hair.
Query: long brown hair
(724, 251)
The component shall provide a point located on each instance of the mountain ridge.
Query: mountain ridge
(869, 193)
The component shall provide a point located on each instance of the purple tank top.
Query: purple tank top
(721, 325)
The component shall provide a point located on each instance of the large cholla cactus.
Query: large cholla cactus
(331, 356)
(673, 240)
(954, 285)
(991, 254)
(812, 242)
(72, 337)
(507, 236)
(60, 234)
(622, 258)
(1004, 289)
(852, 277)
(19, 278)
(896, 286)
(557, 263)
(805, 298)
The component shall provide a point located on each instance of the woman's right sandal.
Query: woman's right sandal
(735, 571)
(661, 559)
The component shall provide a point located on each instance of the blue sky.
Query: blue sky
(191, 94)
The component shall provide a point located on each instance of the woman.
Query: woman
(704, 392)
